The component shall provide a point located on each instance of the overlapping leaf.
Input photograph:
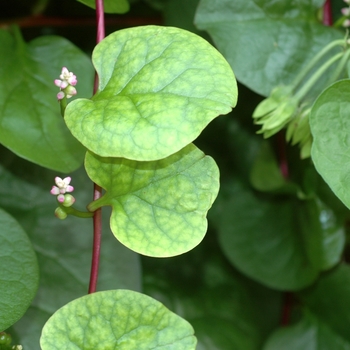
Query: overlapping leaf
(330, 125)
(159, 207)
(159, 87)
(266, 42)
(31, 124)
(19, 275)
(110, 6)
(117, 319)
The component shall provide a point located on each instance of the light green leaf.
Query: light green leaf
(159, 207)
(110, 6)
(309, 333)
(116, 319)
(19, 275)
(31, 124)
(330, 125)
(159, 88)
(266, 41)
(329, 300)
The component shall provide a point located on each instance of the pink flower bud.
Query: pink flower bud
(345, 11)
(60, 95)
(60, 198)
(68, 200)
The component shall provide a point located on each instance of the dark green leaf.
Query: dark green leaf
(329, 300)
(110, 6)
(266, 42)
(31, 124)
(309, 333)
(19, 275)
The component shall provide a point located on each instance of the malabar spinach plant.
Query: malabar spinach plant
(272, 271)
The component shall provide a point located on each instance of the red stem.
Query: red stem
(97, 220)
(327, 13)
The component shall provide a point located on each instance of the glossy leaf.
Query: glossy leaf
(19, 275)
(120, 319)
(159, 207)
(159, 87)
(329, 300)
(279, 242)
(31, 124)
(309, 333)
(110, 6)
(259, 37)
(329, 121)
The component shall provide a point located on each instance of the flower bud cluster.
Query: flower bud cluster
(66, 84)
(346, 12)
(62, 190)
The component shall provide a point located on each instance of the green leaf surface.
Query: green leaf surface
(110, 6)
(329, 300)
(265, 41)
(330, 125)
(159, 87)
(277, 241)
(19, 275)
(31, 124)
(159, 207)
(119, 319)
(309, 333)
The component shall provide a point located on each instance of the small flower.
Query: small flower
(62, 186)
(66, 84)
(346, 23)
(345, 11)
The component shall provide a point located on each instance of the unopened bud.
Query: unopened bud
(60, 213)
(68, 200)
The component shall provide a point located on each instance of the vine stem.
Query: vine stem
(288, 296)
(97, 219)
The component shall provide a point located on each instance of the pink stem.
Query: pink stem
(327, 13)
(97, 220)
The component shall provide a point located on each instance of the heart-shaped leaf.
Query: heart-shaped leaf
(259, 37)
(159, 87)
(116, 319)
(110, 6)
(159, 207)
(31, 124)
(19, 276)
(330, 125)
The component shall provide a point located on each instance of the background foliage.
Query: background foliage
(272, 268)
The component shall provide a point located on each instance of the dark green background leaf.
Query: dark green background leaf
(19, 274)
(266, 41)
(110, 6)
(329, 300)
(309, 333)
(31, 124)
